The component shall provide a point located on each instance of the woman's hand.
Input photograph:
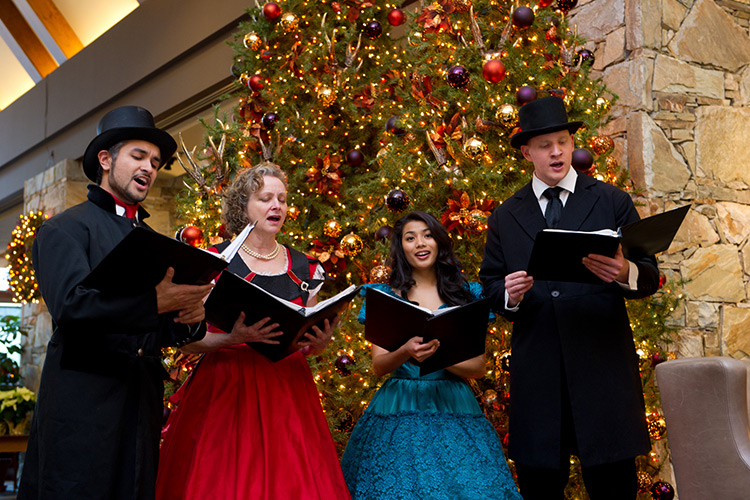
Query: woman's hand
(419, 350)
(316, 343)
(258, 332)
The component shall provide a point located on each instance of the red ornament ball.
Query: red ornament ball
(525, 94)
(255, 82)
(396, 17)
(662, 279)
(355, 158)
(457, 77)
(493, 71)
(566, 5)
(272, 11)
(662, 490)
(190, 235)
(397, 200)
(582, 159)
(545, 3)
(523, 17)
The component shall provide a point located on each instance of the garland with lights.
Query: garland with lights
(22, 280)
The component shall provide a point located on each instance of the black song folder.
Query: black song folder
(557, 253)
(461, 330)
(233, 295)
(140, 261)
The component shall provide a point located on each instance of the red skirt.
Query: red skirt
(248, 428)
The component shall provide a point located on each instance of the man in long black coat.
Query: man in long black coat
(95, 433)
(575, 386)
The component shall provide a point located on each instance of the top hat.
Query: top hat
(125, 124)
(542, 116)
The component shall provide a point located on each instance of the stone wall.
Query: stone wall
(681, 127)
(52, 191)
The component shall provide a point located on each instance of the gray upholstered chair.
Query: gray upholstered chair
(706, 407)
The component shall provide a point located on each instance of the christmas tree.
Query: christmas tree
(372, 111)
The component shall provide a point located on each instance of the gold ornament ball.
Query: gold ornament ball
(474, 148)
(475, 220)
(612, 165)
(252, 41)
(644, 481)
(289, 22)
(601, 144)
(332, 229)
(326, 96)
(380, 157)
(507, 115)
(602, 104)
(380, 274)
(657, 426)
(489, 398)
(292, 213)
(244, 79)
(351, 244)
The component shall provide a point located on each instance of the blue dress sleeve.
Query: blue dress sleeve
(475, 288)
(363, 292)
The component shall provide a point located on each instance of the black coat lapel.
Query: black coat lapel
(527, 212)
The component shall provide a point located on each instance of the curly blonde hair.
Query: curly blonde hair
(237, 194)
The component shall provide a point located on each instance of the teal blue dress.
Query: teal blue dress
(425, 438)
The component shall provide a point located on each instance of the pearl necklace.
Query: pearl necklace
(268, 256)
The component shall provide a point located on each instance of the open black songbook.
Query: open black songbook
(233, 295)
(141, 259)
(557, 253)
(461, 330)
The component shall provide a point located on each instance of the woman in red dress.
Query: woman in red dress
(246, 427)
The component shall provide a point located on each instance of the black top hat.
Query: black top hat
(124, 124)
(542, 116)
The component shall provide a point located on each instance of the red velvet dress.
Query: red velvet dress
(248, 428)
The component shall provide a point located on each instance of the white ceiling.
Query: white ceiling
(87, 18)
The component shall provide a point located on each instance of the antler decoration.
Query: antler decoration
(192, 168)
(439, 153)
(476, 31)
(568, 55)
(351, 49)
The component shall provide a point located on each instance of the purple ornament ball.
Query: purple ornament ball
(373, 30)
(523, 17)
(586, 56)
(525, 94)
(582, 159)
(355, 158)
(457, 77)
(392, 126)
(566, 5)
(269, 120)
(397, 200)
(344, 364)
(383, 233)
(662, 490)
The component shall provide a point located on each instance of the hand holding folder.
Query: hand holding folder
(233, 295)
(557, 253)
(390, 322)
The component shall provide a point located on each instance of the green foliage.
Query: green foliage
(10, 331)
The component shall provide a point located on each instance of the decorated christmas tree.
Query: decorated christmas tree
(373, 110)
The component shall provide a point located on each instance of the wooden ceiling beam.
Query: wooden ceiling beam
(57, 26)
(25, 37)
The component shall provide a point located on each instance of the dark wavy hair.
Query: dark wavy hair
(451, 282)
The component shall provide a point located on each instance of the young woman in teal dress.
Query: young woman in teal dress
(425, 437)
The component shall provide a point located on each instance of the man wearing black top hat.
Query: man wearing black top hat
(95, 432)
(575, 385)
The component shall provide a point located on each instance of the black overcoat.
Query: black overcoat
(584, 327)
(95, 431)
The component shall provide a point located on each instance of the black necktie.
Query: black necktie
(554, 206)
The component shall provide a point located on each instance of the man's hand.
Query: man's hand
(608, 269)
(517, 284)
(187, 299)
